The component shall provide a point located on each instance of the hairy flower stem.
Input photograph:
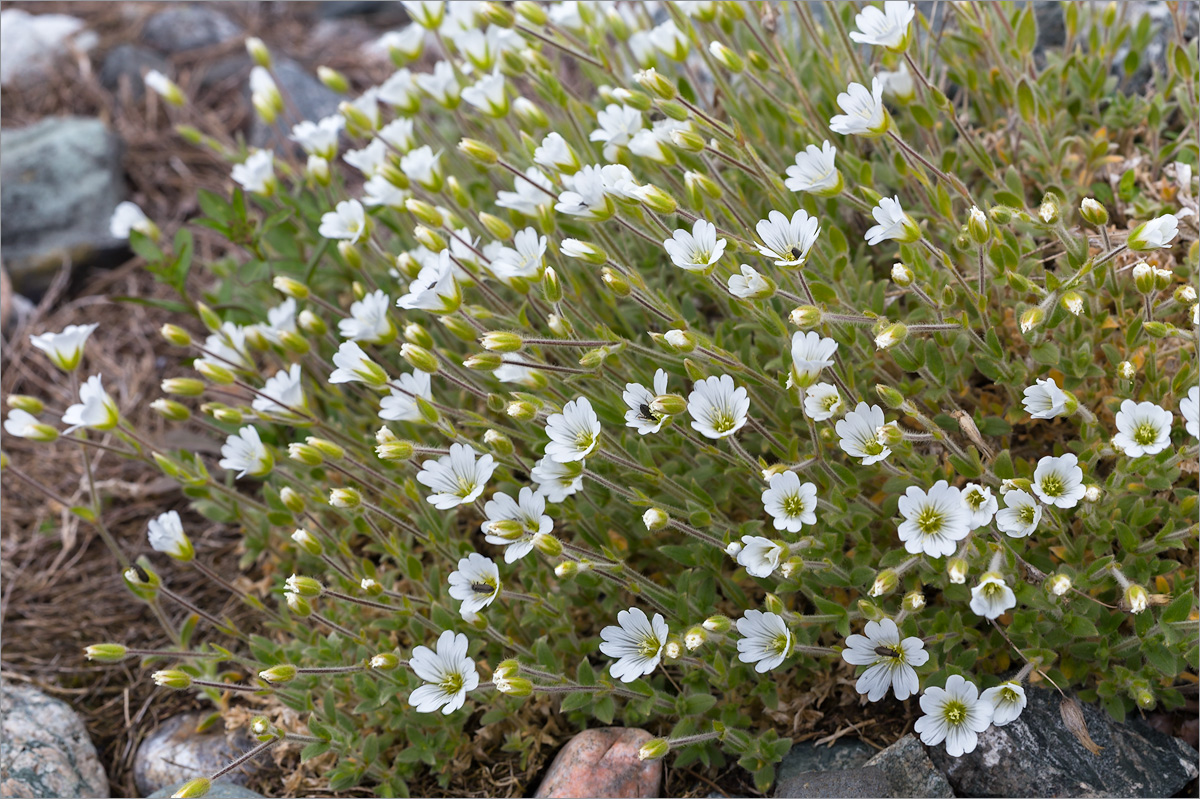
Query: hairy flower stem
(94, 496)
(221, 686)
(697, 534)
(222, 626)
(249, 599)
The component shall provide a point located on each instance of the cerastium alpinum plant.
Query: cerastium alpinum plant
(655, 356)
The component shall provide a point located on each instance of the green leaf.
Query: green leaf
(1026, 31)
(1178, 609)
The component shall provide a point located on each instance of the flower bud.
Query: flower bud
(1032, 318)
(298, 605)
(687, 140)
(429, 239)
(682, 341)
(890, 335)
(193, 788)
(513, 686)
(305, 453)
(262, 729)
(484, 361)
(384, 661)
(1058, 584)
(284, 672)
(172, 678)
(805, 316)
(566, 569)
(548, 545)
(215, 372)
(345, 498)
(531, 12)
(165, 88)
(498, 442)
(478, 151)
(717, 624)
(1092, 493)
(885, 582)
(176, 335)
(290, 287)
(913, 601)
(1158, 329)
(615, 282)
(106, 653)
(956, 569)
(574, 248)
(673, 650)
(304, 586)
(695, 638)
(1093, 212)
(668, 405)
(310, 323)
(1136, 599)
(1163, 278)
(1126, 370)
(977, 226)
(1072, 302)
(307, 541)
(654, 749)
(902, 276)
(726, 57)
(529, 113)
(655, 519)
(425, 212)
(889, 434)
(498, 341)
(559, 325)
(521, 410)
(656, 84)
(419, 358)
(496, 226)
(336, 81)
(733, 548)
(1143, 278)
(1048, 210)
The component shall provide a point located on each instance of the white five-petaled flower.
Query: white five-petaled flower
(815, 171)
(422, 165)
(281, 395)
(245, 453)
(23, 424)
(378, 190)
(476, 583)
(759, 556)
(557, 481)
(891, 223)
(348, 222)
(1059, 481)
(786, 240)
(618, 124)
(524, 259)
(992, 596)
(441, 84)
(434, 288)
(488, 95)
(1155, 234)
(898, 84)
(554, 153)
(750, 285)
(822, 402)
(574, 433)
(790, 502)
(1143, 428)
(227, 347)
(368, 320)
(528, 193)
(64, 349)
(954, 714)
(280, 319)
(400, 405)
(980, 505)
(1020, 515)
(934, 522)
(858, 434)
(637, 643)
(811, 352)
(640, 416)
(887, 28)
(319, 138)
(528, 510)
(864, 113)
(697, 251)
(353, 366)
(257, 173)
(457, 478)
(370, 160)
(1045, 400)
(718, 407)
(1007, 700)
(766, 640)
(586, 195)
(127, 217)
(95, 409)
(1189, 407)
(890, 660)
(166, 535)
(448, 674)
(670, 40)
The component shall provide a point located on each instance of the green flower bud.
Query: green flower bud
(209, 317)
(429, 239)
(688, 140)
(956, 570)
(773, 604)
(656, 84)
(304, 586)
(427, 213)
(1163, 278)
(726, 57)
(977, 226)
(307, 541)
(890, 335)
(106, 653)
(306, 454)
(336, 81)
(291, 500)
(142, 580)
(1048, 211)
(657, 200)
(889, 396)
(654, 749)
(566, 569)
(913, 601)
(1031, 319)
(262, 729)
(902, 276)
(805, 316)
(345, 497)
(548, 545)
(498, 442)
(282, 673)
(717, 624)
(1136, 599)
(531, 12)
(1158, 329)
(1072, 302)
(668, 405)
(870, 611)
(1058, 584)
(298, 605)
(176, 335)
(559, 325)
(615, 282)
(508, 529)
(513, 686)
(172, 678)
(529, 114)
(551, 287)
(496, 226)
(394, 451)
(311, 324)
(484, 361)
(419, 358)
(498, 341)
(1001, 214)
(521, 410)
(215, 372)
(885, 582)
(655, 519)
(193, 789)
(1093, 212)
(384, 661)
(327, 447)
(293, 342)
(478, 151)
(458, 327)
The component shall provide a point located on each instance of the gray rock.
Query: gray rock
(175, 30)
(1051, 25)
(1036, 755)
(845, 753)
(31, 43)
(337, 9)
(44, 748)
(311, 98)
(59, 183)
(131, 62)
(909, 770)
(219, 790)
(867, 781)
(175, 752)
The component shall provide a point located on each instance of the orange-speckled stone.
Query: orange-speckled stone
(603, 763)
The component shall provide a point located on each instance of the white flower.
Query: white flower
(586, 196)
(890, 660)
(476, 583)
(528, 194)
(456, 479)
(887, 28)
(378, 190)
(1020, 515)
(434, 289)
(400, 89)
(557, 481)
(370, 160)
(1189, 408)
(750, 285)
(934, 522)
(528, 510)
(638, 643)
(24, 424)
(166, 535)
(369, 320)
(574, 433)
(1007, 700)
(426, 13)
(1045, 400)
(992, 596)
(718, 407)
(95, 409)
(257, 173)
(655, 142)
(441, 85)
(1155, 234)
(127, 217)
(245, 453)
(319, 138)
(1059, 481)
(980, 505)
(810, 354)
(618, 124)
(697, 251)
(953, 714)
(638, 398)
(787, 240)
(227, 347)
(815, 171)
(448, 675)
(858, 434)
(353, 366)
(281, 395)
(892, 223)
(670, 40)
(864, 113)
(524, 259)
(401, 404)
(554, 153)
(822, 402)
(790, 502)
(759, 556)
(164, 87)
(898, 84)
(1143, 428)
(515, 373)
(488, 95)
(348, 221)
(422, 165)
(766, 640)
(280, 319)
(64, 349)
(618, 182)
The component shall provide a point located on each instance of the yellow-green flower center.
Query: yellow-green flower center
(1052, 485)
(1145, 434)
(793, 505)
(955, 712)
(1026, 514)
(451, 683)
(929, 521)
(722, 421)
(649, 647)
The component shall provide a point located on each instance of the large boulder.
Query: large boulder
(31, 43)
(45, 750)
(60, 180)
(603, 762)
(176, 30)
(175, 752)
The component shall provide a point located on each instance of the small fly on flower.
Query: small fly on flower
(887, 651)
(482, 588)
